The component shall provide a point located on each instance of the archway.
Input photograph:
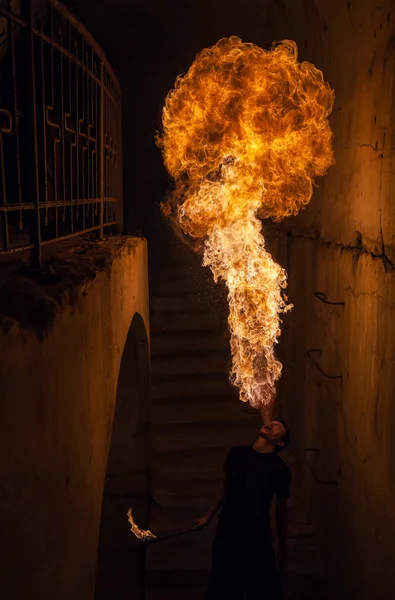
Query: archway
(120, 561)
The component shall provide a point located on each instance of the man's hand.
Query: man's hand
(200, 524)
(282, 558)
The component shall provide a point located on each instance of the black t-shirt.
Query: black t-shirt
(252, 481)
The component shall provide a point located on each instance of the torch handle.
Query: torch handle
(171, 535)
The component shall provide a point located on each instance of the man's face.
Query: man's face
(273, 431)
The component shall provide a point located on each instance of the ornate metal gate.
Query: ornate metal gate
(60, 129)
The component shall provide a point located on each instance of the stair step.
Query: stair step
(215, 453)
(181, 578)
(176, 498)
(179, 257)
(166, 520)
(157, 357)
(187, 341)
(191, 302)
(203, 465)
(198, 499)
(177, 270)
(193, 550)
(198, 363)
(163, 527)
(179, 585)
(171, 321)
(183, 553)
(191, 385)
(178, 403)
(181, 287)
(190, 592)
(200, 409)
(181, 437)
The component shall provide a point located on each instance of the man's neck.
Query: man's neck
(263, 446)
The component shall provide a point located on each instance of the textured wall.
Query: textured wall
(343, 245)
(58, 386)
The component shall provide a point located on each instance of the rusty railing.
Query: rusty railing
(60, 129)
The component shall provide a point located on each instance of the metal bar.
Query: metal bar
(77, 138)
(113, 158)
(18, 249)
(4, 218)
(36, 254)
(18, 206)
(169, 537)
(83, 136)
(62, 10)
(77, 61)
(15, 107)
(10, 16)
(101, 159)
(107, 164)
(323, 298)
(119, 189)
(54, 240)
(56, 126)
(31, 205)
(88, 124)
(78, 26)
(91, 140)
(4, 111)
(53, 43)
(62, 112)
(76, 234)
(309, 352)
(77, 133)
(44, 118)
(97, 151)
(69, 129)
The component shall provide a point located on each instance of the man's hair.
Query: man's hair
(285, 437)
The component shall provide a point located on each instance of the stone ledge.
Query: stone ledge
(32, 297)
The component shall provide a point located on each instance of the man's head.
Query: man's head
(276, 432)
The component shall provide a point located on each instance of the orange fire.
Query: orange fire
(246, 130)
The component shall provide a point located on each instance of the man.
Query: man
(244, 564)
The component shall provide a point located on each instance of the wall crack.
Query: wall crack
(358, 247)
(375, 148)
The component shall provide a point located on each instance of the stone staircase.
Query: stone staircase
(196, 416)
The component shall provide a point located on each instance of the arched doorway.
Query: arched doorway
(120, 562)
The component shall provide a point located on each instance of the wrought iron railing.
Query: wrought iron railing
(60, 129)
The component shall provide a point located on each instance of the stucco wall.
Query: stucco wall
(58, 389)
(343, 245)
(349, 483)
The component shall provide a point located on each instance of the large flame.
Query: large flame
(245, 132)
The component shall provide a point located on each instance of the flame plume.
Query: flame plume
(245, 131)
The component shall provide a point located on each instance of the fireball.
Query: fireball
(246, 132)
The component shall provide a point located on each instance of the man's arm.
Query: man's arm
(214, 507)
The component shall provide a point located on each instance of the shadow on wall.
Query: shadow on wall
(121, 557)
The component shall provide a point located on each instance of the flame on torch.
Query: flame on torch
(245, 132)
(145, 535)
